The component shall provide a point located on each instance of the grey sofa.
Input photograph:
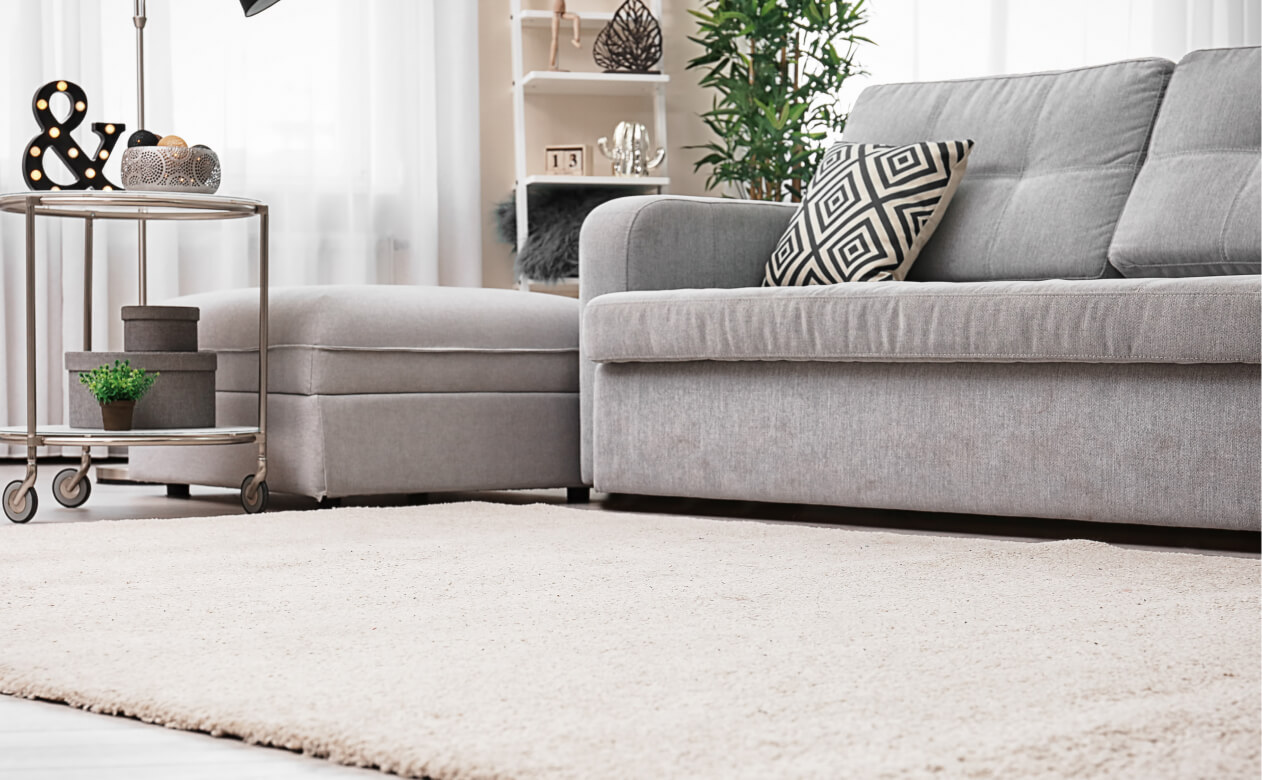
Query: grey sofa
(1080, 339)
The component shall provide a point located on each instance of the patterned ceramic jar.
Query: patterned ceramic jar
(171, 169)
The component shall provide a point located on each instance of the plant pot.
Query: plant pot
(116, 415)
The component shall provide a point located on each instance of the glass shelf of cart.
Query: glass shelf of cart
(65, 436)
(130, 204)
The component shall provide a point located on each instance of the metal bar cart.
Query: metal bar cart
(71, 487)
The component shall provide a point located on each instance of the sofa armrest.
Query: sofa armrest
(670, 242)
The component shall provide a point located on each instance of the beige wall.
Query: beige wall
(557, 120)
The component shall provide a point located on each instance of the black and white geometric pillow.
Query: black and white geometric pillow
(868, 212)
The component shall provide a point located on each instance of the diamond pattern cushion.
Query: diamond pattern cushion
(868, 212)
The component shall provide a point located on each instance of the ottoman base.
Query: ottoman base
(386, 444)
(388, 389)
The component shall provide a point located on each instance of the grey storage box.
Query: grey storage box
(183, 396)
(160, 328)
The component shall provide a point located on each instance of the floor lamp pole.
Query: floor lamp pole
(139, 18)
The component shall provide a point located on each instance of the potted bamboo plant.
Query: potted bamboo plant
(117, 388)
(776, 67)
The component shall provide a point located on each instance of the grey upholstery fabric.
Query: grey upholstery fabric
(1055, 158)
(1193, 320)
(391, 389)
(317, 370)
(669, 242)
(1136, 443)
(1195, 206)
(351, 445)
(393, 339)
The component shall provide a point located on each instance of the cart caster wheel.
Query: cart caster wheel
(67, 497)
(259, 503)
(29, 505)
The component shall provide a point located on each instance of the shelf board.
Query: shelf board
(544, 19)
(637, 182)
(552, 82)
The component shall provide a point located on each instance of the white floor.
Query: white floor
(45, 741)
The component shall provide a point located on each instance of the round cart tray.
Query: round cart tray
(65, 436)
(125, 204)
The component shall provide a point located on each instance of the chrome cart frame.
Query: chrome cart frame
(71, 487)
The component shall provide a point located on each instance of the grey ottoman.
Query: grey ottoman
(390, 389)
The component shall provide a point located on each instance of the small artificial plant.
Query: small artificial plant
(119, 382)
(776, 66)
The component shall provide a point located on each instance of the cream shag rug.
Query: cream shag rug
(487, 641)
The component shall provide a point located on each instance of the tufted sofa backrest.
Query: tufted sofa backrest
(1056, 155)
(1194, 210)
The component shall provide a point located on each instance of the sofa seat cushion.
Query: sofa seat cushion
(362, 339)
(1190, 320)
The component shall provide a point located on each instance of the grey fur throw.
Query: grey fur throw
(556, 216)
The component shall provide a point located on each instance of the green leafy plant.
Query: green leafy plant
(777, 66)
(119, 382)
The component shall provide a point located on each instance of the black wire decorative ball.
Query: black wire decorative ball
(631, 42)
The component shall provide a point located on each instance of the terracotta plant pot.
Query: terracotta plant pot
(116, 415)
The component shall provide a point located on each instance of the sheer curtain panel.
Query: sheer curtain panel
(357, 122)
(921, 40)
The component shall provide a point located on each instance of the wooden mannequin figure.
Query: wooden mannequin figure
(559, 13)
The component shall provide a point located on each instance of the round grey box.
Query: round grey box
(183, 396)
(160, 328)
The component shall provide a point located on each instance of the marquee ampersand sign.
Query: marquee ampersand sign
(89, 171)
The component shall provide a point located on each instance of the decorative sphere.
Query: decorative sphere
(143, 138)
(173, 140)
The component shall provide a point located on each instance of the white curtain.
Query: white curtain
(919, 40)
(356, 121)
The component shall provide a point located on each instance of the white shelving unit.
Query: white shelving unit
(540, 81)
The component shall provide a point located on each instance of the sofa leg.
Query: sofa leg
(177, 491)
(578, 495)
(329, 502)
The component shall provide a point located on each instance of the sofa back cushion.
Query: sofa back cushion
(1055, 157)
(1194, 210)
